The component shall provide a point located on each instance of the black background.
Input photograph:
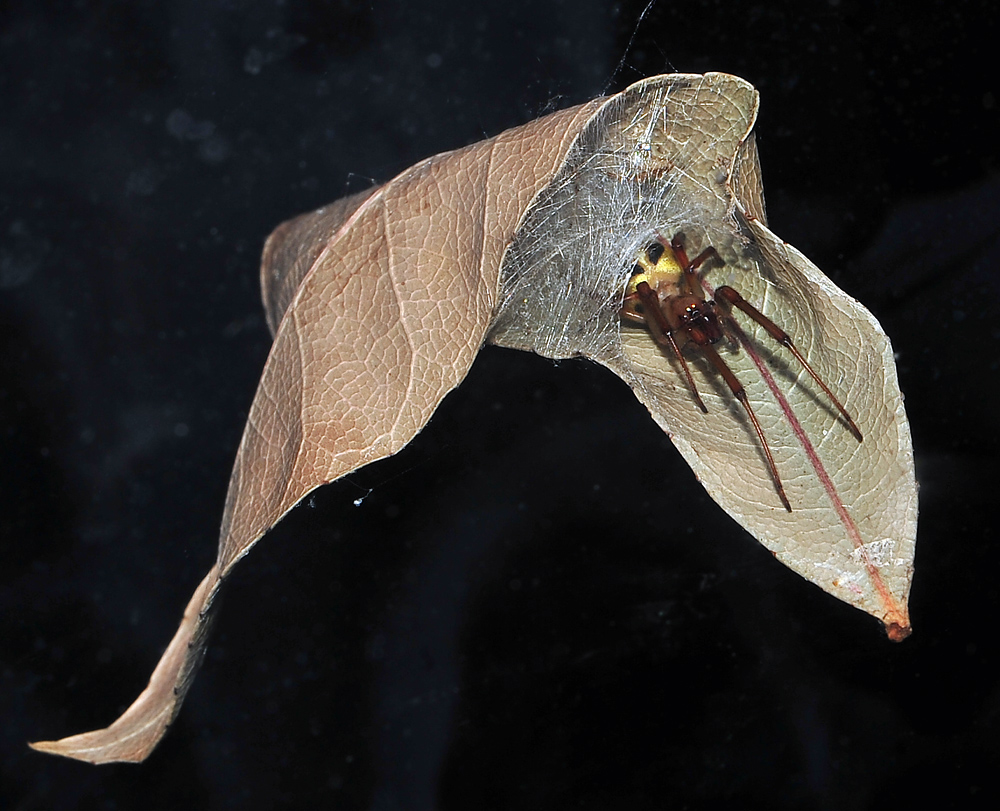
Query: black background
(534, 605)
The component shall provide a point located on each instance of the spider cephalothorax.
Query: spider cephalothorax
(666, 293)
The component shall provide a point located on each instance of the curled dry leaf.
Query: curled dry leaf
(380, 302)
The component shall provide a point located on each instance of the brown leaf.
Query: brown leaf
(380, 302)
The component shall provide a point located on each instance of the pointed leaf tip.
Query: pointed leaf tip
(897, 632)
(135, 734)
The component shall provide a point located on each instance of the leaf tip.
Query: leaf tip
(43, 746)
(81, 747)
(897, 631)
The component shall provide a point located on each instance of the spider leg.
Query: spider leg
(663, 333)
(734, 299)
(691, 266)
(740, 394)
(628, 311)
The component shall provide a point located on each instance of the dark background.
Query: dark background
(535, 606)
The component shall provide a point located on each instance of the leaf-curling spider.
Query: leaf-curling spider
(666, 294)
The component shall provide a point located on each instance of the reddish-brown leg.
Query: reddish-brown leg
(734, 299)
(663, 332)
(691, 267)
(740, 394)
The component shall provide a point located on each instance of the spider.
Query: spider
(666, 294)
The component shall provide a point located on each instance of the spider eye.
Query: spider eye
(654, 251)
